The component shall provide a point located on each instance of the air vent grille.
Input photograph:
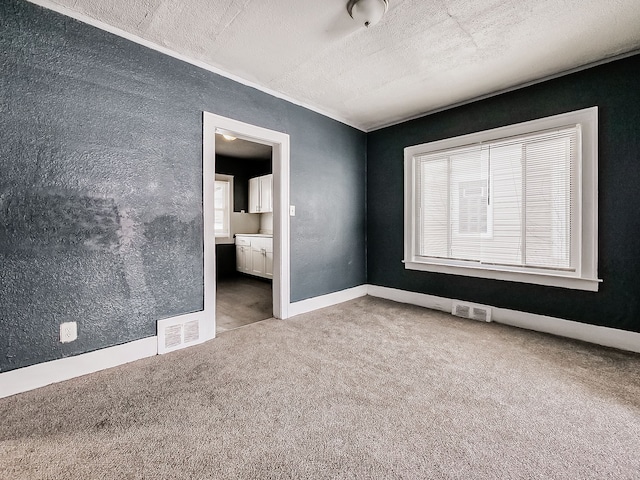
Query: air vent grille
(462, 310)
(178, 332)
(173, 336)
(191, 331)
(480, 314)
(474, 312)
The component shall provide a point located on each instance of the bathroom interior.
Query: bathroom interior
(244, 232)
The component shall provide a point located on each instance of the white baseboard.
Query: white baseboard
(315, 303)
(412, 298)
(35, 376)
(606, 336)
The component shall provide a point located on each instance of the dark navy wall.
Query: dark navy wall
(615, 89)
(100, 186)
(226, 261)
(242, 170)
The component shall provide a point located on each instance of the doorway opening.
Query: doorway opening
(244, 232)
(246, 223)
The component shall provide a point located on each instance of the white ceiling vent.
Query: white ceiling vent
(178, 332)
(472, 311)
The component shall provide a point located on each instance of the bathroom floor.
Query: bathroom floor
(242, 300)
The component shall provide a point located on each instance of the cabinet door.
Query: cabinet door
(268, 264)
(266, 193)
(258, 261)
(254, 195)
(243, 259)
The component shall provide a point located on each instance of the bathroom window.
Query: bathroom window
(223, 205)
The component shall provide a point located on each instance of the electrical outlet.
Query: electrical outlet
(68, 332)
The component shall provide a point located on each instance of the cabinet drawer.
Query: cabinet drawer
(244, 241)
(260, 243)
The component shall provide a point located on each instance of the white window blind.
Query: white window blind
(505, 203)
(517, 202)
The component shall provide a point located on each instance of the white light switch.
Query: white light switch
(292, 210)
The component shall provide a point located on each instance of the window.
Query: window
(515, 203)
(223, 205)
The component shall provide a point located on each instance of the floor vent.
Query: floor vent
(474, 312)
(177, 333)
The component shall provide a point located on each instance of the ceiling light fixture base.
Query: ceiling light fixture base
(367, 12)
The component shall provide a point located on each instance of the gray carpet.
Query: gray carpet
(366, 389)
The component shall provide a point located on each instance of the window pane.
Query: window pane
(221, 207)
(505, 245)
(433, 205)
(548, 200)
(472, 208)
(468, 180)
(220, 197)
(219, 220)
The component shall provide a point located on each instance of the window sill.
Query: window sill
(536, 278)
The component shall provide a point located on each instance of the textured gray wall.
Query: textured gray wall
(100, 186)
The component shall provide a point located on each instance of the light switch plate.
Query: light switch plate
(292, 210)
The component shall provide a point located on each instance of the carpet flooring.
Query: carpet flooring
(366, 389)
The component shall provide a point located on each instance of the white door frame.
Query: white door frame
(281, 260)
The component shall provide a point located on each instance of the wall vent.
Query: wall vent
(179, 332)
(173, 336)
(191, 331)
(472, 311)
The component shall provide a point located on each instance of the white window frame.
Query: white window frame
(585, 276)
(227, 235)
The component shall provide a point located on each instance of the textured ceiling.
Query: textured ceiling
(424, 55)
